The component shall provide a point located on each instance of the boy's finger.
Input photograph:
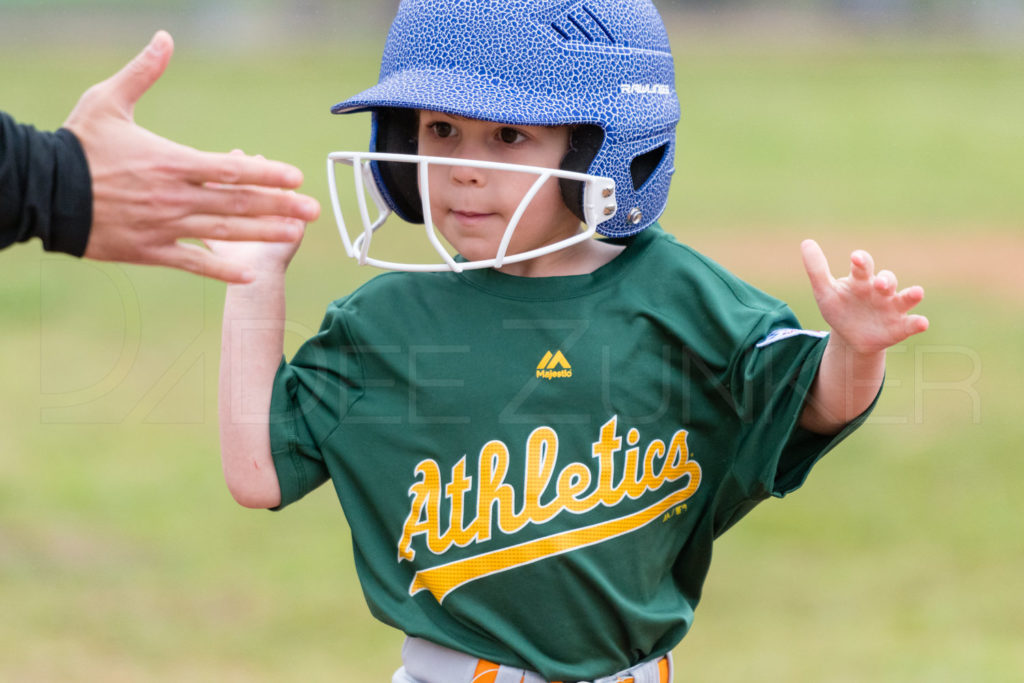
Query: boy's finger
(816, 265)
(862, 266)
(916, 324)
(885, 282)
(908, 298)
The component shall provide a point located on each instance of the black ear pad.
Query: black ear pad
(585, 141)
(396, 134)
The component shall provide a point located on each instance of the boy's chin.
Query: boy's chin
(472, 247)
(478, 253)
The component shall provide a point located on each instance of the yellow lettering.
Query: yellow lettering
(541, 453)
(577, 489)
(680, 464)
(455, 491)
(655, 450)
(572, 482)
(633, 483)
(424, 513)
(604, 449)
(494, 490)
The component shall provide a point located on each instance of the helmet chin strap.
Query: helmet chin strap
(598, 205)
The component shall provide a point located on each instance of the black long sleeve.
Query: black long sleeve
(45, 188)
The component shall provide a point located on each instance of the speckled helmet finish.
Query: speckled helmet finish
(542, 62)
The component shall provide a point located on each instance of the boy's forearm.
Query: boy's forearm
(251, 349)
(846, 384)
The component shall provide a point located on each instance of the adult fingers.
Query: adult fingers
(236, 228)
(138, 75)
(816, 265)
(249, 201)
(239, 169)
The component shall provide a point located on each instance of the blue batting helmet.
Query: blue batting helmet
(601, 66)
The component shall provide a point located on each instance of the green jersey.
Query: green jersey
(534, 469)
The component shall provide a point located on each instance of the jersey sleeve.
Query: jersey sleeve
(771, 378)
(311, 395)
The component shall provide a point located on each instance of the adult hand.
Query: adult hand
(150, 192)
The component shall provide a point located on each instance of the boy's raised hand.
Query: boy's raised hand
(863, 308)
(257, 258)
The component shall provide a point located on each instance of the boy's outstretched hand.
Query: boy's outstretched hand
(867, 315)
(863, 308)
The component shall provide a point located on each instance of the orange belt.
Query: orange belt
(487, 672)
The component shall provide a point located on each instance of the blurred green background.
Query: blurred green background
(893, 126)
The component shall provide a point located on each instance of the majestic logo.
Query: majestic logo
(554, 366)
(645, 89)
(573, 490)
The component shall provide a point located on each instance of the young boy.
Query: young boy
(535, 458)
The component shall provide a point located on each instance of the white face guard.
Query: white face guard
(598, 206)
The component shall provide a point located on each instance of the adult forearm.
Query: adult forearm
(251, 350)
(846, 384)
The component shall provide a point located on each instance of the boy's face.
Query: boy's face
(472, 207)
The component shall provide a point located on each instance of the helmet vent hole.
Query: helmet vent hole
(644, 165)
(582, 25)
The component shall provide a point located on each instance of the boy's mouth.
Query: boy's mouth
(470, 216)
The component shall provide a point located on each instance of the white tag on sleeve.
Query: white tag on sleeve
(786, 333)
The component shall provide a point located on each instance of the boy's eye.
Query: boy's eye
(442, 129)
(510, 136)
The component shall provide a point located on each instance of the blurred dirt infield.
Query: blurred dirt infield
(989, 262)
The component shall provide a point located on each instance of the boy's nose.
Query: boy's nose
(468, 175)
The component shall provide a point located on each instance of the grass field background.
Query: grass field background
(122, 557)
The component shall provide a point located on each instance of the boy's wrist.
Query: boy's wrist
(854, 351)
(855, 359)
(264, 289)
(261, 277)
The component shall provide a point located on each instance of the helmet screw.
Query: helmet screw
(635, 215)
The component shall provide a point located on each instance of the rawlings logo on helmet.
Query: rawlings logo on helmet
(645, 89)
